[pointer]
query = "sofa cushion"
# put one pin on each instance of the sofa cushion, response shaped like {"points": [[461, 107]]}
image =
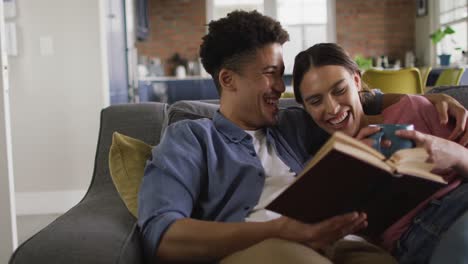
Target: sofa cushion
{"points": [[190, 110], [127, 160], [181, 110]]}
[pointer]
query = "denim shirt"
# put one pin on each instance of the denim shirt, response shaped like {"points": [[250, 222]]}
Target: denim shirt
{"points": [[208, 170]]}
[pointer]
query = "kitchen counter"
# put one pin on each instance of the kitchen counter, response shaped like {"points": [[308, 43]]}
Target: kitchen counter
{"points": [[169, 89], [172, 89]]}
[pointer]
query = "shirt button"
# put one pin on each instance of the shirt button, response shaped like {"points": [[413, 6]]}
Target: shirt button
{"points": [[253, 154], [260, 174], [246, 208]]}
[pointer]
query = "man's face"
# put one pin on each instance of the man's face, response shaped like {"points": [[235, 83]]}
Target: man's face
{"points": [[258, 87]]}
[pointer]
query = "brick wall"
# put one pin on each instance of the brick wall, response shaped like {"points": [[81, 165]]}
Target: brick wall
{"points": [[376, 27], [367, 27], [176, 26]]}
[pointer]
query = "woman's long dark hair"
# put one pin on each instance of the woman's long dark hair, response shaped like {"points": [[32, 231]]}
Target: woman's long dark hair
{"points": [[318, 55]]}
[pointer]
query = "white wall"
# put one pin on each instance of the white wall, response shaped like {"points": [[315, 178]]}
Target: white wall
{"points": [[56, 97], [8, 235]]}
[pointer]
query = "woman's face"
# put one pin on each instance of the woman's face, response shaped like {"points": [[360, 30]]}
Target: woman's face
{"points": [[331, 98]]}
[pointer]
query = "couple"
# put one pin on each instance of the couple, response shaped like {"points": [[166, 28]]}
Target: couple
{"points": [[202, 192]]}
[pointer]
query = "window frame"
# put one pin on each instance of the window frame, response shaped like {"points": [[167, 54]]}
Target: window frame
{"points": [[437, 23]]}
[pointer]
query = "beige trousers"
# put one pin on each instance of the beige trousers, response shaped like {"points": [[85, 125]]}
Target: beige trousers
{"points": [[275, 251]]}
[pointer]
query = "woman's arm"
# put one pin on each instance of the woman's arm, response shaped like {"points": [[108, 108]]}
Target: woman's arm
{"points": [[446, 106]]}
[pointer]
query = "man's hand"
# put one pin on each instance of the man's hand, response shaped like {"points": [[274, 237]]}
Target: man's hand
{"points": [[447, 106], [323, 234], [444, 154], [191, 240]]}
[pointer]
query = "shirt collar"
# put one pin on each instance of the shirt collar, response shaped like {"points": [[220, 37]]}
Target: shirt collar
{"points": [[230, 130]]}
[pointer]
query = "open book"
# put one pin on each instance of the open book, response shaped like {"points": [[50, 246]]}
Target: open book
{"points": [[347, 175]]}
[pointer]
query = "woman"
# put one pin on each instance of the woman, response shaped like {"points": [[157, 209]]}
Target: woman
{"points": [[328, 83]]}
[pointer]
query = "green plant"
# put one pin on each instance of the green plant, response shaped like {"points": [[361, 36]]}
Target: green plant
{"points": [[438, 35], [362, 62]]}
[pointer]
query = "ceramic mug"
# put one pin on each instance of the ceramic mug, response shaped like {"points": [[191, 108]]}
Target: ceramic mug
{"points": [[387, 132]]}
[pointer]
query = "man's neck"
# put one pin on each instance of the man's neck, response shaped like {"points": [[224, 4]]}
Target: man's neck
{"points": [[230, 114]]}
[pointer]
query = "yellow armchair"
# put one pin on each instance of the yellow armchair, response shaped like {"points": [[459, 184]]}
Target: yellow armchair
{"points": [[450, 77], [405, 81], [425, 74]]}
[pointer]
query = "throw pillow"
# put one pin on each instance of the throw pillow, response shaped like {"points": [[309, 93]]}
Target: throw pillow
{"points": [[127, 159]]}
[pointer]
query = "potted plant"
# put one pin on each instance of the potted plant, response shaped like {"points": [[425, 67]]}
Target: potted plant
{"points": [[363, 63], [438, 36]]}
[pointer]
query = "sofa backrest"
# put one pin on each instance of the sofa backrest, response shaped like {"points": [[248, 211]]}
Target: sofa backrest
{"points": [[199, 109], [204, 109], [143, 121], [458, 92]]}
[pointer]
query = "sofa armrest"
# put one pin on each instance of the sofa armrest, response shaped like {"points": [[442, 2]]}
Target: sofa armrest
{"points": [[97, 230]]}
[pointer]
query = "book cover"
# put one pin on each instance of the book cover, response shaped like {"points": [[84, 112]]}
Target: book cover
{"points": [[345, 176]]}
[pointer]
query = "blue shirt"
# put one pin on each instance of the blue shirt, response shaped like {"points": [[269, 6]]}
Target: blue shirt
{"points": [[208, 170]]}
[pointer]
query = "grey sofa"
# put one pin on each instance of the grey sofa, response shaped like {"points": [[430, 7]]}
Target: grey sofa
{"points": [[100, 229]]}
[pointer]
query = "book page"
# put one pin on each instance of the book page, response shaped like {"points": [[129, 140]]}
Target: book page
{"points": [[424, 172], [413, 162], [413, 154]]}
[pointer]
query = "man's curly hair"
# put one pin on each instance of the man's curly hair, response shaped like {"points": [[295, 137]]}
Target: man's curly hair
{"points": [[234, 38]]}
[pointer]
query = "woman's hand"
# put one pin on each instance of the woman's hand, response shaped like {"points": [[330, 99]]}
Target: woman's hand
{"points": [[364, 134], [447, 106], [445, 154]]}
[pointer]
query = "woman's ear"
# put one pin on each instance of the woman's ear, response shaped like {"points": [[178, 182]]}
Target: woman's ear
{"points": [[358, 81], [227, 80]]}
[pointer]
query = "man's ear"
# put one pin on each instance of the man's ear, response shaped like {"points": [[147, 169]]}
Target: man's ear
{"points": [[227, 80]]}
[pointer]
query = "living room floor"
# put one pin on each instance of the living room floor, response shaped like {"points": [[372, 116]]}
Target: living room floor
{"points": [[28, 225]]}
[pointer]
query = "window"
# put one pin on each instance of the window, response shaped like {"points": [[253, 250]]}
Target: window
{"points": [[222, 7], [307, 21], [453, 13]]}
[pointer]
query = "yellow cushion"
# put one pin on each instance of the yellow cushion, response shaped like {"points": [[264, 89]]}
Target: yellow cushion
{"points": [[127, 160]]}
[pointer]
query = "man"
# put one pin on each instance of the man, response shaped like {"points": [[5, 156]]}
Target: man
{"points": [[207, 177]]}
